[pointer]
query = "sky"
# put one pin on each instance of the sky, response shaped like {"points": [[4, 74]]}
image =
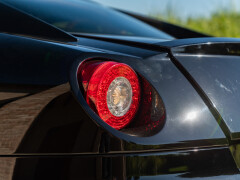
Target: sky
{"points": [[183, 8]]}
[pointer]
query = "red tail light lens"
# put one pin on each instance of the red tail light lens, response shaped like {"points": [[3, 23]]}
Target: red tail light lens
{"points": [[112, 90], [121, 98]]}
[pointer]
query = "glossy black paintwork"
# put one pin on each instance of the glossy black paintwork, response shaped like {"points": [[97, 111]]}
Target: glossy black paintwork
{"points": [[215, 163], [135, 39], [210, 48], [195, 41], [165, 78], [49, 134], [30, 61], [215, 67], [50, 63], [124, 48], [60, 128], [160, 72], [87, 17], [20, 25], [67, 140]]}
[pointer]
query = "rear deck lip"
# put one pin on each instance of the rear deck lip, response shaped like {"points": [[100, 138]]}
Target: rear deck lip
{"points": [[195, 41]]}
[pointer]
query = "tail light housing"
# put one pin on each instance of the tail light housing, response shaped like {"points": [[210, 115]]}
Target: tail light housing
{"points": [[121, 98]]}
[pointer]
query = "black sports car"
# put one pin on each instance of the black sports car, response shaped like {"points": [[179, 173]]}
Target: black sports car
{"points": [[89, 92]]}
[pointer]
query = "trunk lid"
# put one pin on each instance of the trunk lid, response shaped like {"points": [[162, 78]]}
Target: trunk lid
{"points": [[215, 67]]}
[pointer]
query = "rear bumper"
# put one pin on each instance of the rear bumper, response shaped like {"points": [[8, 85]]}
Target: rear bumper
{"points": [[214, 163]]}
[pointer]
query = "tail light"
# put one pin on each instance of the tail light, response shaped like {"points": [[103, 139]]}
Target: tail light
{"points": [[113, 91]]}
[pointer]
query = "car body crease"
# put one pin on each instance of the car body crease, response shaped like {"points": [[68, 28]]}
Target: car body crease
{"points": [[113, 153]]}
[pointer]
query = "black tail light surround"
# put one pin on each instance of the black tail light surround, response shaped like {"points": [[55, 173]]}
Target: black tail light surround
{"points": [[121, 97]]}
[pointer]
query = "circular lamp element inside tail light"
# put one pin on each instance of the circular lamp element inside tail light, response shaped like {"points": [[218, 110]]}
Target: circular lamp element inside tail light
{"points": [[114, 93], [119, 96]]}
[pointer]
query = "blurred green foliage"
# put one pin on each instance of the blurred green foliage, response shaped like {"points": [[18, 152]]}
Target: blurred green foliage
{"points": [[221, 23]]}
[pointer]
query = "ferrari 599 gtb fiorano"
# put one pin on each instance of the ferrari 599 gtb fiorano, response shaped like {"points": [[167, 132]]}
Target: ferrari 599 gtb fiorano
{"points": [[89, 92]]}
